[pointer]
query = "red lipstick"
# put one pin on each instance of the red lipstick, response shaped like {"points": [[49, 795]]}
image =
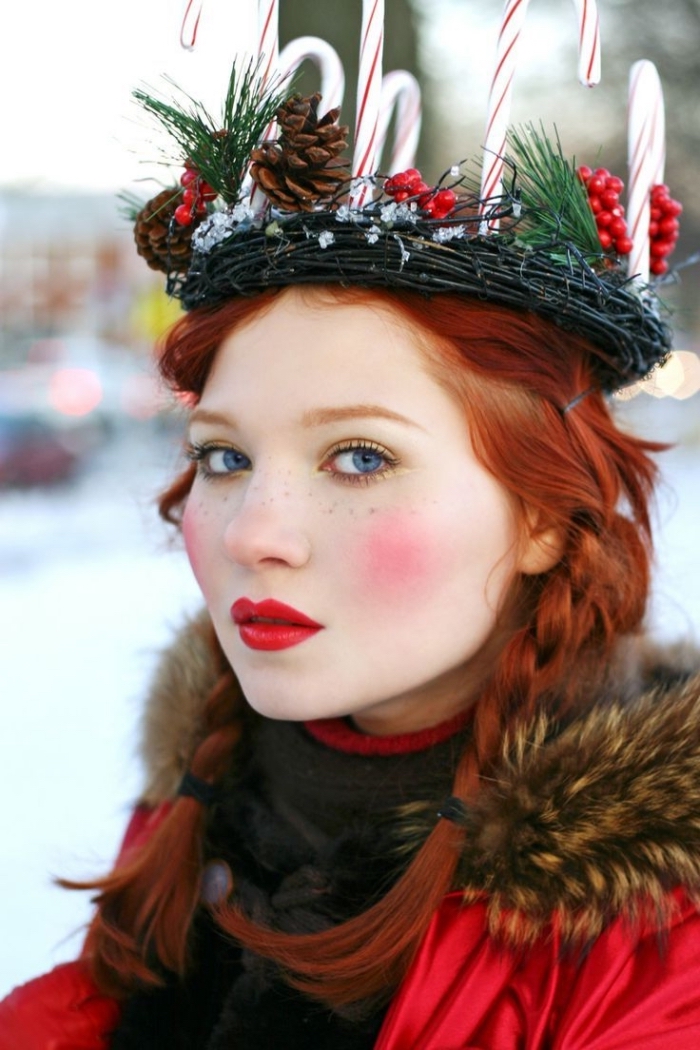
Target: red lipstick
{"points": [[271, 625]]}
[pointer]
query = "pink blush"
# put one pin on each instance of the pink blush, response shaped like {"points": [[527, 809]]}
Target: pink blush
{"points": [[398, 557]]}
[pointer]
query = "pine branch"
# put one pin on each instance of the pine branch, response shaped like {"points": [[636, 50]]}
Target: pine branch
{"points": [[554, 200], [219, 150]]}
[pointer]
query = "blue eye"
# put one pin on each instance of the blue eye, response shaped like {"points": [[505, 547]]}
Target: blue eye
{"points": [[218, 460], [360, 461]]}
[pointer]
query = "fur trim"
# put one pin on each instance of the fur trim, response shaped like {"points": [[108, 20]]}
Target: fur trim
{"points": [[170, 728], [595, 820], [598, 821]]}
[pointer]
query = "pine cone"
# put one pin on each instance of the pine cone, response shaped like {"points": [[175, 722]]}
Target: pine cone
{"points": [[164, 243], [301, 169]]}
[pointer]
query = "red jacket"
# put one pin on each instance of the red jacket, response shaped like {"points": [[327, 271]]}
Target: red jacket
{"points": [[462, 993]]}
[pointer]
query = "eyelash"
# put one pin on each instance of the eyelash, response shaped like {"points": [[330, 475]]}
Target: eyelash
{"points": [[198, 453]]}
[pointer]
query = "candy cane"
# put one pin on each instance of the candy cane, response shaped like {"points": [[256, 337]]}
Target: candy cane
{"points": [[327, 60], [369, 91], [190, 24], [268, 56], [500, 95], [268, 38], [646, 153], [400, 91]]}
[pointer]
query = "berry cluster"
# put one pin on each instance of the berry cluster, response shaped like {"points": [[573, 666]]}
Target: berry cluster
{"points": [[408, 185], [604, 192], [195, 195], [663, 228]]}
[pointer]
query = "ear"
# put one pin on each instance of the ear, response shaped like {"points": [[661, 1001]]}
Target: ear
{"points": [[542, 546]]}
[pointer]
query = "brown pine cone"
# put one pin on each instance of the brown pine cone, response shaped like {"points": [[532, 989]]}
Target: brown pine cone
{"points": [[302, 169], [163, 242]]}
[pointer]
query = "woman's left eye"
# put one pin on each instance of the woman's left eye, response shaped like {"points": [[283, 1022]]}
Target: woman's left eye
{"points": [[361, 461]]}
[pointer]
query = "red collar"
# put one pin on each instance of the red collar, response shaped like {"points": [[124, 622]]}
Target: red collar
{"points": [[341, 735]]}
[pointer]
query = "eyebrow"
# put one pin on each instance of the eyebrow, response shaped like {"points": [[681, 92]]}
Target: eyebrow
{"points": [[315, 417]]}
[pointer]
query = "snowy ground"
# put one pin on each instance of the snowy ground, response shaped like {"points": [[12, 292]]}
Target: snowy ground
{"points": [[91, 589]]}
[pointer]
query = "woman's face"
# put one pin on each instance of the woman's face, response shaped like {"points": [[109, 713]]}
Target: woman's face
{"points": [[336, 477]]}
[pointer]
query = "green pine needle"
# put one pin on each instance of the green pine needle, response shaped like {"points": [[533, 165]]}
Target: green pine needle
{"points": [[219, 150], [556, 210]]}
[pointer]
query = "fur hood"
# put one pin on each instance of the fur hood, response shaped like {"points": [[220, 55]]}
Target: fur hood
{"points": [[585, 823]]}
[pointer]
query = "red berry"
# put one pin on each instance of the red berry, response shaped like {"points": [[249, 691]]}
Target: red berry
{"points": [[401, 195], [602, 172], [189, 196], [595, 204], [603, 219], [609, 198], [605, 239], [653, 229], [623, 245], [207, 192], [183, 214], [655, 214], [614, 183], [660, 191], [618, 226], [658, 267], [672, 208], [595, 185], [188, 176], [201, 208], [668, 227], [446, 198], [659, 249], [584, 172]]}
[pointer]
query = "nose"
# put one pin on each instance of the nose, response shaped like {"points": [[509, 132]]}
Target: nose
{"points": [[267, 527]]}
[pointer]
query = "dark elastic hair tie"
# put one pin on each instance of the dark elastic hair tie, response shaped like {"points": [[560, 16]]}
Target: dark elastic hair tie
{"points": [[194, 787], [578, 399], [455, 810]]}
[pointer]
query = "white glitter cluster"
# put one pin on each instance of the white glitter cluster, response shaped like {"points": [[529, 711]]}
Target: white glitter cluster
{"points": [[449, 233], [325, 238], [217, 227]]}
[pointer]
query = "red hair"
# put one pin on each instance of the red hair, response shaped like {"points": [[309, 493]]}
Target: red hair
{"points": [[575, 470]]}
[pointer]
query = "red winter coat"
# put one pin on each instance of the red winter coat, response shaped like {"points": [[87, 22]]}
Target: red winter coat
{"points": [[569, 934], [462, 993]]}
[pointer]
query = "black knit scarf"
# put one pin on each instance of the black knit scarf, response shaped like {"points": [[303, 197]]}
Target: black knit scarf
{"points": [[310, 834]]}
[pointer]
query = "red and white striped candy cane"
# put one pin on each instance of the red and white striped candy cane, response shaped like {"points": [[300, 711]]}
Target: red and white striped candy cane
{"points": [[369, 93], [268, 57], [500, 94], [327, 60], [268, 38], [646, 152], [400, 90], [190, 24]]}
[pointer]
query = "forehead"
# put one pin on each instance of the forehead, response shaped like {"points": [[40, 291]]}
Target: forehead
{"points": [[306, 343]]}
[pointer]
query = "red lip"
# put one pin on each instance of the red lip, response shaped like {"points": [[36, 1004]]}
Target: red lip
{"points": [[271, 625]]}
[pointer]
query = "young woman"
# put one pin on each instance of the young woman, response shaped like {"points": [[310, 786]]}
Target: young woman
{"points": [[414, 780]]}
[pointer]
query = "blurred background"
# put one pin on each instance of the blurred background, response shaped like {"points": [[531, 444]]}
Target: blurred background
{"points": [[91, 584]]}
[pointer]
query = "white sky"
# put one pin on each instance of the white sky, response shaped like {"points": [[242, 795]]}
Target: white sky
{"points": [[67, 70]]}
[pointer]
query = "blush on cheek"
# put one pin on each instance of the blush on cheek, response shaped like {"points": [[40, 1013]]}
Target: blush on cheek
{"points": [[398, 557]]}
